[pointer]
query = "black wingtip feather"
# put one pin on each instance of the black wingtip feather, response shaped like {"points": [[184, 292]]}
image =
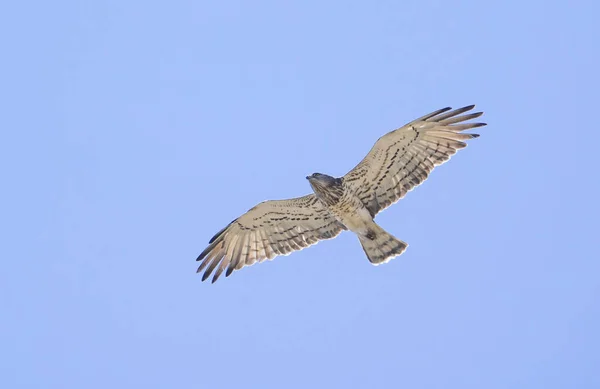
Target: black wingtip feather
{"points": [[438, 112], [205, 252], [220, 232], [470, 116]]}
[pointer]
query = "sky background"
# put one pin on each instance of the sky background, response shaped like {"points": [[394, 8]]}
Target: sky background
{"points": [[132, 131]]}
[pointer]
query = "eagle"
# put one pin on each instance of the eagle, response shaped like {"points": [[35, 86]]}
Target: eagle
{"points": [[398, 162]]}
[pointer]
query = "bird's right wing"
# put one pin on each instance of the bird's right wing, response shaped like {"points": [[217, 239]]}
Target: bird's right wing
{"points": [[272, 228], [402, 159]]}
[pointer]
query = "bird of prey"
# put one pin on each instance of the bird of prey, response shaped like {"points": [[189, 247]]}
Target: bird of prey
{"points": [[398, 162]]}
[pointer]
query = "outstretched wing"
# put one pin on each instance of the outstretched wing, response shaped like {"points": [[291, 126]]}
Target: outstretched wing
{"points": [[269, 229], [403, 158]]}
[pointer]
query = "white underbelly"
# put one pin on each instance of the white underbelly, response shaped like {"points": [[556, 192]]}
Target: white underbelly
{"points": [[355, 218]]}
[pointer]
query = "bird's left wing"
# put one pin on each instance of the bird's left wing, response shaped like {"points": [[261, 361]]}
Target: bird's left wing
{"points": [[403, 158], [272, 228]]}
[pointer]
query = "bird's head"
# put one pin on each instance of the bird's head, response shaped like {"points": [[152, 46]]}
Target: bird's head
{"points": [[321, 180], [325, 186]]}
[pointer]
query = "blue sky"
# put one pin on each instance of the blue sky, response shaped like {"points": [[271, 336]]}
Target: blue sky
{"points": [[133, 131]]}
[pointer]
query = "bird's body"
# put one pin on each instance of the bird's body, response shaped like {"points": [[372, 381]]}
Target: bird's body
{"points": [[352, 213], [341, 201], [349, 210], [398, 162]]}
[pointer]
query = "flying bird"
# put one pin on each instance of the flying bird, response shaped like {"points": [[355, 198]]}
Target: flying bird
{"points": [[398, 162]]}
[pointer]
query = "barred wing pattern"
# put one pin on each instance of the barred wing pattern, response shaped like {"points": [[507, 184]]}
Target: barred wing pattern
{"points": [[402, 159], [271, 228]]}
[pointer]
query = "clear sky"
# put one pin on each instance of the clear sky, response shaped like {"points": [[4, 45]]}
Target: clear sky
{"points": [[134, 130]]}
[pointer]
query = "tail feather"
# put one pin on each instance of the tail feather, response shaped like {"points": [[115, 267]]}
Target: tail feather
{"points": [[380, 246]]}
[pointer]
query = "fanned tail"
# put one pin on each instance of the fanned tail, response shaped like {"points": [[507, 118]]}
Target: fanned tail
{"points": [[380, 246]]}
